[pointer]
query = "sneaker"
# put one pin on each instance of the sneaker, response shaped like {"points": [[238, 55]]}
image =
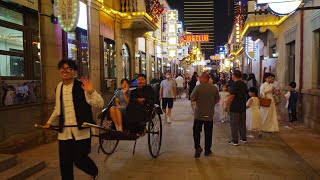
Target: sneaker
{"points": [[222, 121], [168, 120], [208, 153], [198, 153], [250, 136], [243, 141], [232, 143]]}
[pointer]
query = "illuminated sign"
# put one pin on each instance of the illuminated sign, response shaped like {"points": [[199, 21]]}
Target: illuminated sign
{"points": [[216, 57], [281, 7], [68, 14], [172, 39], [195, 38], [250, 48]]}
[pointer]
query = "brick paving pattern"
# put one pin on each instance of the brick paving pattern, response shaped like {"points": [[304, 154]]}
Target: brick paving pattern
{"points": [[291, 154]]}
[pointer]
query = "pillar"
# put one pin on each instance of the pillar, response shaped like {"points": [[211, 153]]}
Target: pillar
{"points": [[119, 42], [148, 60], [94, 45]]}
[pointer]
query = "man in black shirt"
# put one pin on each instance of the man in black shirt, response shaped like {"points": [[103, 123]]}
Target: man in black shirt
{"points": [[140, 103], [237, 107]]}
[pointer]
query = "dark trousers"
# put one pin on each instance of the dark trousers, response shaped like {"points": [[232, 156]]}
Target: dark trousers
{"points": [[197, 128], [238, 126], [75, 152], [292, 115]]}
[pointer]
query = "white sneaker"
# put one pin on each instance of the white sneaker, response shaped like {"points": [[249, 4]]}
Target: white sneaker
{"points": [[168, 120]]}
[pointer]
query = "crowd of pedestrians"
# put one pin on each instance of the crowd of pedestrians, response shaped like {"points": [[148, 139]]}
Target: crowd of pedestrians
{"points": [[239, 100]]}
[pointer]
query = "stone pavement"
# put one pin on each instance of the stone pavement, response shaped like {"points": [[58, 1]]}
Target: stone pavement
{"points": [[268, 157]]}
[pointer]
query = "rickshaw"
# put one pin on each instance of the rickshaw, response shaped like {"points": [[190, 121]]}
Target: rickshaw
{"points": [[109, 138]]}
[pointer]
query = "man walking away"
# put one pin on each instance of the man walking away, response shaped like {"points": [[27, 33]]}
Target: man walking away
{"points": [[192, 83], [179, 81], [206, 96], [155, 83], [237, 105], [168, 94], [74, 102]]}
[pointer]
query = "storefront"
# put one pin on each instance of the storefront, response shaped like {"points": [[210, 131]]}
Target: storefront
{"points": [[141, 59]]}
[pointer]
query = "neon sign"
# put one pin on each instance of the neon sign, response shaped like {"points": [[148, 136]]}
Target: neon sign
{"points": [[250, 48], [196, 38], [281, 7]]}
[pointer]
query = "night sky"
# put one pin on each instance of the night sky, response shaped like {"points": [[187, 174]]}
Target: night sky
{"points": [[224, 16]]}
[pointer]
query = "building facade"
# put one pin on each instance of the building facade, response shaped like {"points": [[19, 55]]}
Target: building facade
{"points": [[287, 46], [199, 19], [112, 40]]}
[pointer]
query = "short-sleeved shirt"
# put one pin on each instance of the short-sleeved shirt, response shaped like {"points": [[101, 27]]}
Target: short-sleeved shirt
{"points": [[206, 96], [239, 90], [167, 88], [122, 101]]}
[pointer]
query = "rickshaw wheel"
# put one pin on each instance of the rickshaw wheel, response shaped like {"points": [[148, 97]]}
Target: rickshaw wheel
{"points": [[155, 135], [107, 146]]}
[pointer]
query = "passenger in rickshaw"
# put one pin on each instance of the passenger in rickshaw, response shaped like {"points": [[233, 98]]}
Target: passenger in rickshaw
{"points": [[121, 102], [140, 106]]}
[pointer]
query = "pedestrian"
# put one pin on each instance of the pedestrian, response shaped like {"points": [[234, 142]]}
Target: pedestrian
{"points": [[253, 113], [292, 97], [192, 83], [269, 119], [206, 96], [168, 94], [277, 89], [224, 95], [74, 102], [10, 95], [155, 83], [236, 104], [180, 82]]}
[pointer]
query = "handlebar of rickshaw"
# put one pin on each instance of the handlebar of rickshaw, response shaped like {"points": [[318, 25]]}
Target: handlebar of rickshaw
{"points": [[85, 125]]}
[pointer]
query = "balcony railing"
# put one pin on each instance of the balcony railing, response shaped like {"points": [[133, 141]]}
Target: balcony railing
{"points": [[131, 6]]}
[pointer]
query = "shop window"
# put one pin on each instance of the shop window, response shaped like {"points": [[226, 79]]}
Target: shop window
{"points": [[11, 16], [110, 70], [143, 64], [153, 66], [20, 64], [126, 61], [159, 66], [291, 62]]}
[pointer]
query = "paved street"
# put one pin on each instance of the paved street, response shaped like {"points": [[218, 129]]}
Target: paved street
{"points": [[266, 158]]}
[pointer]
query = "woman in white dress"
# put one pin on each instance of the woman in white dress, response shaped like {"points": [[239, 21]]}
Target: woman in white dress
{"points": [[224, 95], [253, 114], [269, 120]]}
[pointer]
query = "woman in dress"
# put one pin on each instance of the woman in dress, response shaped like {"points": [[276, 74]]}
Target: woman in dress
{"points": [[224, 95], [253, 113], [269, 120], [121, 102]]}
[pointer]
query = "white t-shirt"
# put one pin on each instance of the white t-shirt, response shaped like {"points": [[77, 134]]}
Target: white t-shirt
{"points": [[179, 81]]}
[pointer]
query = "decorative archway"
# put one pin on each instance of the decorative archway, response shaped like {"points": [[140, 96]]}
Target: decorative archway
{"points": [[125, 61]]}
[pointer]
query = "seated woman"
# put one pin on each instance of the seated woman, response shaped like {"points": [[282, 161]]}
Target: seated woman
{"points": [[121, 102]]}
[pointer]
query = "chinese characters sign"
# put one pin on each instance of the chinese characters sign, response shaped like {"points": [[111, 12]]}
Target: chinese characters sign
{"points": [[172, 30], [68, 14], [196, 38], [250, 48]]}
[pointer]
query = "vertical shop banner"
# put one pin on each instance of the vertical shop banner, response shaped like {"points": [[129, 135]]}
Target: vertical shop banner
{"points": [[32, 4], [106, 26]]}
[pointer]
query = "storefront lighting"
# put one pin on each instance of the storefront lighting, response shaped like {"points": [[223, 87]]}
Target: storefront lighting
{"points": [[254, 24]]}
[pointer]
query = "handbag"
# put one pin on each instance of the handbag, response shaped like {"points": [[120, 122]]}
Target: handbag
{"points": [[265, 102]]}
